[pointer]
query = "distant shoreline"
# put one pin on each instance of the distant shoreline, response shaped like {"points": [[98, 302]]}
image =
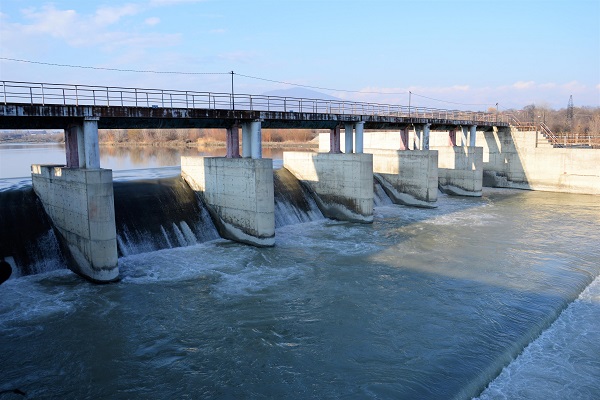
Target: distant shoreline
{"points": [[172, 144]]}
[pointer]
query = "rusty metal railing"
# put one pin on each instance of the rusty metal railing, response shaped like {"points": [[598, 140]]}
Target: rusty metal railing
{"points": [[68, 94]]}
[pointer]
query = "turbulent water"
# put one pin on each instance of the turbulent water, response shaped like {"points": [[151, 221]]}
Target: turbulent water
{"points": [[422, 304]]}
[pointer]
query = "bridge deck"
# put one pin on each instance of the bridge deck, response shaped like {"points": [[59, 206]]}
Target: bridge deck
{"points": [[52, 116]]}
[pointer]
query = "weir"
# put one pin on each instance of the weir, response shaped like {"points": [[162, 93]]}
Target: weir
{"points": [[238, 189]]}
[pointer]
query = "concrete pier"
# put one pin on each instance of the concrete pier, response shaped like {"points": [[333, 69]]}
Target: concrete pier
{"points": [[342, 183], [239, 195], [460, 170], [80, 204], [408, 177]]}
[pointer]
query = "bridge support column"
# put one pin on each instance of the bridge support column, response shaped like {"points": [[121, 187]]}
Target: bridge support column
{"points": [[359, 136], [252, 139], [334, 140], [472, 135], [464, 138], [342, 183], [452, 138], [349, 138], [426, 133], [422, 132], [233, 142], [404, 139], [81, 144]]}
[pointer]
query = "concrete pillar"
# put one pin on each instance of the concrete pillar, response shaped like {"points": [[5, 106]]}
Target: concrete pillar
{"points": [[358, 136], [233, 142], [452, 138], [473, 135], [81, 144], [463, 138], [246, 140], [334, 140], [91, 145], [256, 138], [239, 193], [73, 136], [251, 139], [404, 139], [408, 177], [349, 138], [426, 131], [418, 140], [80, 204], [342, 183]]}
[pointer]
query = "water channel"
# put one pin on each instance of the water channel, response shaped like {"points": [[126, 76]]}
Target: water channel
{"points": [[498, 294]]}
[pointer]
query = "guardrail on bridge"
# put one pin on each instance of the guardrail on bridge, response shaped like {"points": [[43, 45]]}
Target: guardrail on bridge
{"points": [[68, 94]]}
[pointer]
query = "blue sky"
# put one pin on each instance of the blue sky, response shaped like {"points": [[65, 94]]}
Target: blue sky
{"points": [[470, 54]]}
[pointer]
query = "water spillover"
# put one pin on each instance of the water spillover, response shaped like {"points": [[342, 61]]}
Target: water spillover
{"points": [[496, 297]]}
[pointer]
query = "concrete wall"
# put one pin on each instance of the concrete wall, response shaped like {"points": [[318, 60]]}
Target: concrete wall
{"points": [[460, 170], [80, 204], [523, 160], [343, 183], [239, 194], [408, 177]]}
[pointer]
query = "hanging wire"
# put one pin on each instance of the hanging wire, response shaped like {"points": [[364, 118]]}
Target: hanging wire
{"points": [[241, 75], [319, 87], [114, 69]]}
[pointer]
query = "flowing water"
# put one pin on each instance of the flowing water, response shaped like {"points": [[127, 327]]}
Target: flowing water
{"points": [[421, 304]]}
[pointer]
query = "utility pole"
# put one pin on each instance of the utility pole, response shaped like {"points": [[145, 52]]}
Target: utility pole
{"points": [[232, 93]]}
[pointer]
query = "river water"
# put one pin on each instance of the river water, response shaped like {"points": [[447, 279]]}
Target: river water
{"points": [[421, 304]]}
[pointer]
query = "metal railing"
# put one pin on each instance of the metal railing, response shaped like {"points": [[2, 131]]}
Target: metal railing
{"points": [[80, 95]]}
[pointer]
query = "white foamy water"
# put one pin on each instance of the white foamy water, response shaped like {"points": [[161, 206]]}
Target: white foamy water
{"points": [[563, 362]]}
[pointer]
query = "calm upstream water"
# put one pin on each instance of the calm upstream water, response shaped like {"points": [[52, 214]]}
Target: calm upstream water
{"points": [[422, 304]]}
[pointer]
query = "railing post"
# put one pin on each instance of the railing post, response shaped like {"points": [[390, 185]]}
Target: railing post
{"points": [[186, 100], [76, 96], [147, 100], [171, 97], [121, 92], [31, 95], [135, 92], [64, 97], [94, 96], [285, 104], [4, 90], [43, 99], [107, 98], [162, 98]]}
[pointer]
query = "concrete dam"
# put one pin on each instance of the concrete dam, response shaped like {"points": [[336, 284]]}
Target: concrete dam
{"points": [[410, 152]]}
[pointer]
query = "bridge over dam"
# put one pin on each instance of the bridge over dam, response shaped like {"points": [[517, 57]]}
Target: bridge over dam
{"points": [[410, 151]]}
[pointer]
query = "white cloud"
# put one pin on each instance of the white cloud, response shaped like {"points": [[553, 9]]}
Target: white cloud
{"points": [[82, 30], [524, 85], [161, 3], [152, 21], [110, 15], [217, 31]]}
